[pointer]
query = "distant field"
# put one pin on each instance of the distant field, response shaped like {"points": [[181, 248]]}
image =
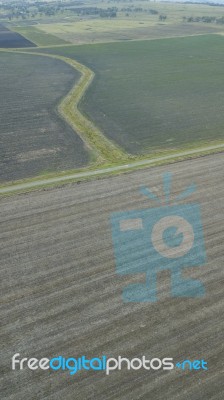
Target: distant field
{"points": [[155, 95], [34, 139], [39, 37], [70, 27], [101, 31], [9, 39], [134, 21]]}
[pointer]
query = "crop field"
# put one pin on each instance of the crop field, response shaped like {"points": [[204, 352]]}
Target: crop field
{"points": [[61, 296], [39, 37], [157, 95], [9, 39], [34, 139], [134, 21], [97, 31]]}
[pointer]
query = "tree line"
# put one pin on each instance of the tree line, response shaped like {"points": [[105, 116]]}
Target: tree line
{"points": [[206, 19]]}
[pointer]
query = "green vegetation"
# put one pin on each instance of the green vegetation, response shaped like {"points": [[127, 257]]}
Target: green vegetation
{"points": [[150, 96], [90, 173], [39, 37], [100, 146], [90, 31], [99, 21], [101, 149], [206, 19]]}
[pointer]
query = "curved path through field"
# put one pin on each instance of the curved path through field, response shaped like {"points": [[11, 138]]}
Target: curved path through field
{"points": [[102, 148]]}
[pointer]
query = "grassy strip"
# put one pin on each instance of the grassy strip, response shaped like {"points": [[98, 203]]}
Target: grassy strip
{"points": [[90, 134], [101, 148], [101, 172], [198, 149]]}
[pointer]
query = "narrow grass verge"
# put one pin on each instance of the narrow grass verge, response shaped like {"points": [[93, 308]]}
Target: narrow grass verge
{"points": [[102, 149], [104, 171]]}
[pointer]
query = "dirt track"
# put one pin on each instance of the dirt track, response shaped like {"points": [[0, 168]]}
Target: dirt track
{"points": [[61, 296], [86, 174]]}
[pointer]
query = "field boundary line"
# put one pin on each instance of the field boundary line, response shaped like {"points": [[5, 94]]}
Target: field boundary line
{"points": [[110, 170], [116, 41], [100, 147]]}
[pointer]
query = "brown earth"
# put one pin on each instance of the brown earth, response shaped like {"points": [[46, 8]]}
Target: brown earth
{"points": [[61, 296]]}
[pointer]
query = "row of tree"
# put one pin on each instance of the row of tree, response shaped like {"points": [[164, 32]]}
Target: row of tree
{"points": [[38, 8], [133, 9], [110, 12], [16, 10], [205, 19]]}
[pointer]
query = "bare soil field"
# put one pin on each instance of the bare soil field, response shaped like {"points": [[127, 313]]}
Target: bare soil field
{"points": [[34, 139], [61, 296], [9, 39]]}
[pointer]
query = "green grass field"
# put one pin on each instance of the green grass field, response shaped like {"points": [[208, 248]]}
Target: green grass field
{"points": [[39, 37], [150, 96]]}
